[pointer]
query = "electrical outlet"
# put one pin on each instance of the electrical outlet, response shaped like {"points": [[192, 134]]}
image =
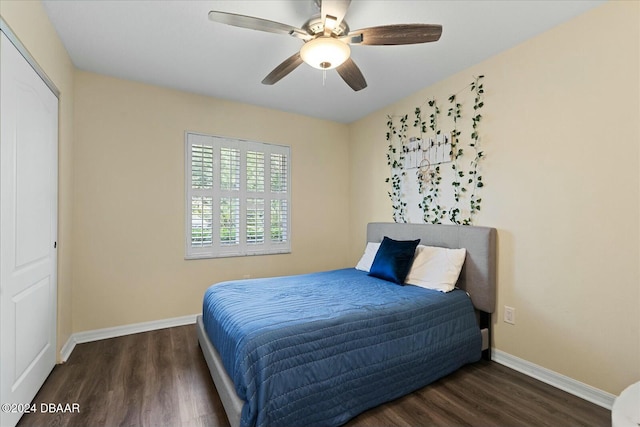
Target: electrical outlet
{"points": [[509, 315]]}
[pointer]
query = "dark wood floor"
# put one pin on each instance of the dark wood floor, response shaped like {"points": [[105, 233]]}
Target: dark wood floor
{"points": [[160, 378]]}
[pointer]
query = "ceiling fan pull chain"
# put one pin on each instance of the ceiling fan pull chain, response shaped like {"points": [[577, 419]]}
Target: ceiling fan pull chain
{"points": [[324, 77]]}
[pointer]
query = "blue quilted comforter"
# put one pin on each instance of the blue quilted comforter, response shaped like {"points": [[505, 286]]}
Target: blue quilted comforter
{"points": [[318, 349]]}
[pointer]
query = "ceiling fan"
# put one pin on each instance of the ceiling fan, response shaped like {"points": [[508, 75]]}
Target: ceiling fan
{"points": [[327, 38]]}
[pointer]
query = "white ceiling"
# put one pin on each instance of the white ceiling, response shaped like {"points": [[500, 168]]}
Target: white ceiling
{"points": [[173, 44]]}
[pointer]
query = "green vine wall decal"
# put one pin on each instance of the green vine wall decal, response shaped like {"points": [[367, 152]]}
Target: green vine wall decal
{"points": [[475, 179], [395, 160], [460, 132], [429, 185], [455, 113]]}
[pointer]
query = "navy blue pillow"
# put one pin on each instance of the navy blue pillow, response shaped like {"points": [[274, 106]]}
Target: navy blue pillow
{"points": [[393, 260]]}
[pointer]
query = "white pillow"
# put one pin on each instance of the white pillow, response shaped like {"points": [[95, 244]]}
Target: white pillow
{"points": [[367, 258], [436, 268]]}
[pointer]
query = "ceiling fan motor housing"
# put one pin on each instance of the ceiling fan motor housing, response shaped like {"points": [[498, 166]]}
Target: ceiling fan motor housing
{"points": [[315, 25]]}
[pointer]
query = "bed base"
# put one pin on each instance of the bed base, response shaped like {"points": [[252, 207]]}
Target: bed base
{"points": [[230, 401], [485, 330]]}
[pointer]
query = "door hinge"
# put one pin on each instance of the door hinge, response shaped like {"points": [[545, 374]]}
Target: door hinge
{"points": [[55, 245]]}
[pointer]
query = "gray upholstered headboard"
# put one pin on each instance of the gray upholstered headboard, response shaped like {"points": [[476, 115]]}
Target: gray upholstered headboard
{"points": [[478, 276]]}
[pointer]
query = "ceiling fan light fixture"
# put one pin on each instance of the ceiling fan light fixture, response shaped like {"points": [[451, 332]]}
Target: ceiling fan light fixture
{"points": [[325, 53]]}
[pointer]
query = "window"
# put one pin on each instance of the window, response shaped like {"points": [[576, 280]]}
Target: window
{"points": [[238, 197]]}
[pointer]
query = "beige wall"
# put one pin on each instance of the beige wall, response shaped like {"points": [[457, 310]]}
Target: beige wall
{"points": [[561, 133], [31, 25], [129, 189]]}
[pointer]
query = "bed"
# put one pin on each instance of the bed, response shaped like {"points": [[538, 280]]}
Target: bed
{"points": [[320, 348]]}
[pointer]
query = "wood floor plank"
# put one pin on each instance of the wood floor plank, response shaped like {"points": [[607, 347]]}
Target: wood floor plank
{"points": [[160, 378]]}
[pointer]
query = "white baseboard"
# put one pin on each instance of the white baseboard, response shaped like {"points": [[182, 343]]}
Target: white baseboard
{"points": [[577, 388], [67, 349], [118, 331]]}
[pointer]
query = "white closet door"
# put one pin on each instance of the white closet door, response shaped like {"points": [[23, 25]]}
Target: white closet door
{"points": [[28, 217]]}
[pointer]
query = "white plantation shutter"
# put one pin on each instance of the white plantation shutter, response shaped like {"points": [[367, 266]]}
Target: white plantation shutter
{"points": [[238, 197], [279, 220], [279, 173]]}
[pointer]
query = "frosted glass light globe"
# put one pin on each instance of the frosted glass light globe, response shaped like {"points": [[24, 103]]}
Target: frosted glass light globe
{"points": [[325, 53]]}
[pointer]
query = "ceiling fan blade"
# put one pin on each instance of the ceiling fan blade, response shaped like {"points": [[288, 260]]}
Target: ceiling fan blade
{"points": [[283, 69], [332, 13], [352, 75], [259, 24], [396, 34]]}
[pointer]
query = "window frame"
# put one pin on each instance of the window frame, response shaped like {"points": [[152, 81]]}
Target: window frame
{"points": [[216, 193]]}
